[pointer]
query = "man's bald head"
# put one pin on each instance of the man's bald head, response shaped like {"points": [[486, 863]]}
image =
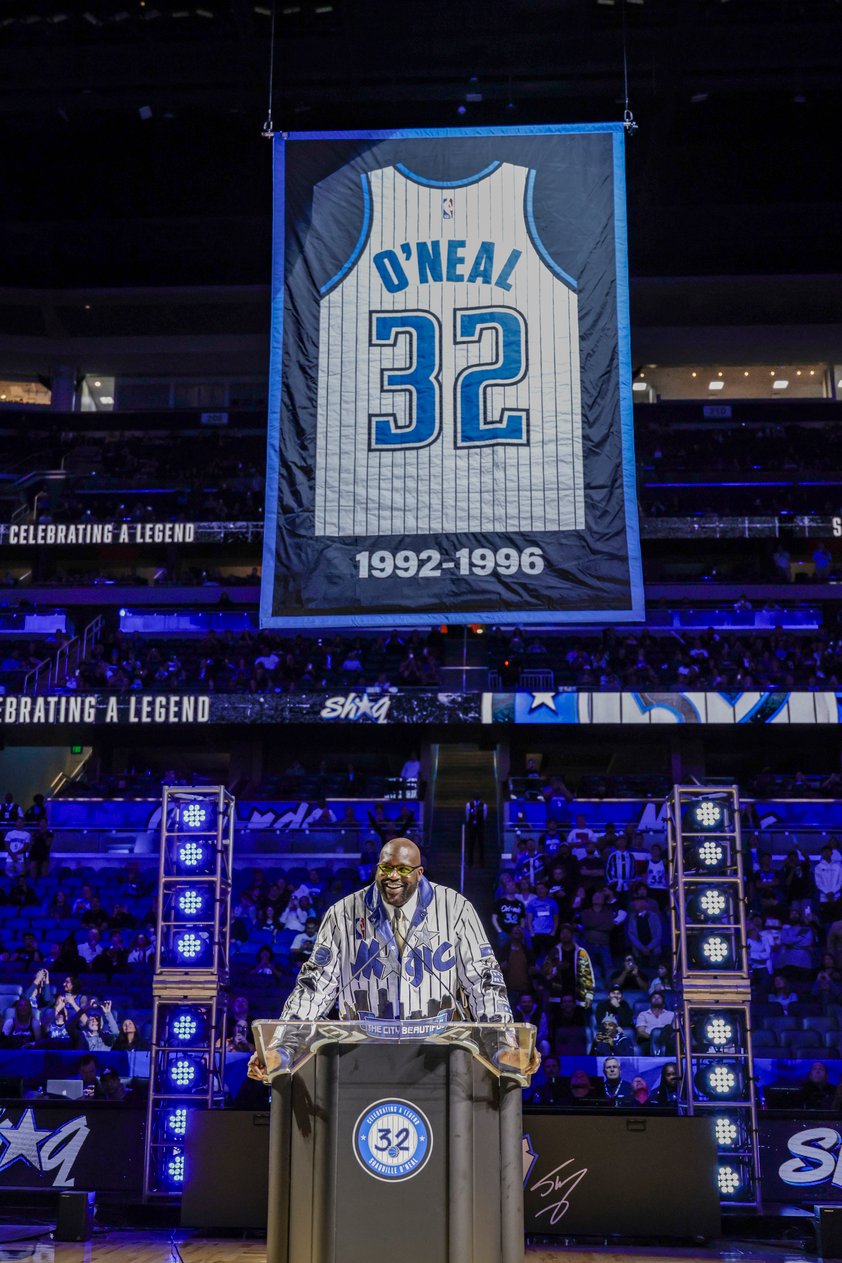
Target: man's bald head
{"points": [[397, 887]]}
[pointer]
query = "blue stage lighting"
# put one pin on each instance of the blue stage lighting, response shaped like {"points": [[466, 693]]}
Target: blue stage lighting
{"points": [[728, 1180], [189, 946], [708, 814], [176, 1121], [711, 904], [174, 1166], [183, 1073], [718, 1081], [194, 815], [727, 1131], [190, 902], [192, 855], [184, 1027]]}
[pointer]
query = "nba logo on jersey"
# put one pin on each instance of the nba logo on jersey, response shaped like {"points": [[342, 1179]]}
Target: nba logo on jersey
{"points": [[449, 393]]}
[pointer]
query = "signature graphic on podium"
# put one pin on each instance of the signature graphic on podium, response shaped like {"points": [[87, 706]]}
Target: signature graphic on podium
{"points": [[392, 1140], [562, 1181]]}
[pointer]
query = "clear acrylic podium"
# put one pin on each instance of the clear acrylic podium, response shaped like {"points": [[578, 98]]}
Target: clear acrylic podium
{"points": [[395, 1137]]}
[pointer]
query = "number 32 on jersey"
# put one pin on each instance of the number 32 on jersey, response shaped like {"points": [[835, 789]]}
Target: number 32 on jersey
{"points": [[420, 380]]}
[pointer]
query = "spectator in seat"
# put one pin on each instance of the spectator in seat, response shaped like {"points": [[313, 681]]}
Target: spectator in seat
{"points": [[666, 1093], [39, 852], [115, 956], [795, 954], [609, 1038], [21, 894], [303, 943], [574, 965], [620, 869], [37, 812], [591, 866], [657, 878], [614, 1086], [10, 811], [597, 923], [41, 993], [795, 879], [828, 878], [531, 866], [60, 908], [83, 902], [22, 1029], [608, 841], [240, 1039], [639, 1094], [616, 1007], [643, 930], [551, 1089], [580, 834], [121, 918], [112, 1085], [516, 962], [526, 1010], [817, 1090], [759, 950], [98, 1033], [28, 953], [580, 1089], [91, 948], [91, 1088], [141, 951], [129, 1038], [95, 914], [654, 1027], [508, 913], [542, 920], [630, 976], [296, 915], [827, 987], [55, 1027], [782, 994], [16, 843], [265, 965]]}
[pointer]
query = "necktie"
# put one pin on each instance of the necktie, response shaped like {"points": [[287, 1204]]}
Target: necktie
{"points": [[397, 926]]}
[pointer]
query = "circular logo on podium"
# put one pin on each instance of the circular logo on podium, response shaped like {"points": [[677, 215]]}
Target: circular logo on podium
{"points": [[392, 1140]]}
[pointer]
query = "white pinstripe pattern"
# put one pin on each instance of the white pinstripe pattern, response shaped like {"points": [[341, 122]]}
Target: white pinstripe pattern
{"points": [[472, 986], [442, 488]]}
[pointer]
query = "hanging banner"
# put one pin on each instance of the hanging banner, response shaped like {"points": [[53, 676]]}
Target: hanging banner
{"points": [[450, 419]]}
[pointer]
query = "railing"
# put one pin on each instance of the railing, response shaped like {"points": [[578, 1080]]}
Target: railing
{"points": [[716, 526], [32, 680], [67, 659]]}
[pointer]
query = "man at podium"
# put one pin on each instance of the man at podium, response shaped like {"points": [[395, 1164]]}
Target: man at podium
{"points": [[402, 948]]}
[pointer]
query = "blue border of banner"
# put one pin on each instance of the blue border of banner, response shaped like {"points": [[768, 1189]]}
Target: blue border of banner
{"points": [[635, 611]]}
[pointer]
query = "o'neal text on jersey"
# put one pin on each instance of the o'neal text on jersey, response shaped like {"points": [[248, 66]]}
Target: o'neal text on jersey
{"points": [[445, 261]]}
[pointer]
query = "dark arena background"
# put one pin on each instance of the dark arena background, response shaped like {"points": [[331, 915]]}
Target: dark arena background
{"points": [[645, 814]]}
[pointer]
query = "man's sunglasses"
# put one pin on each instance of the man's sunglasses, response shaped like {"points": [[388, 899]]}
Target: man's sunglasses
{"points": [[403, 870]]}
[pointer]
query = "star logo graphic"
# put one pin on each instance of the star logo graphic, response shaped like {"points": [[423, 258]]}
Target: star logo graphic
{"points": [[423, 937], [390, 965], [543, 699], [21, 1142]]}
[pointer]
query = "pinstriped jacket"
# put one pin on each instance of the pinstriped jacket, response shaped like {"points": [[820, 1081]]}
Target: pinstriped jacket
{"points": [[447, 963]]}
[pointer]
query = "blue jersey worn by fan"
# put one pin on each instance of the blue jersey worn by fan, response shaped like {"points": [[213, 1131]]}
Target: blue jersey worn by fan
{"points": [[401, 948]]}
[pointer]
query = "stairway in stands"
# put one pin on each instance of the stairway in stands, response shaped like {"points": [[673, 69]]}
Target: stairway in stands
{"points": [[463, 772]]}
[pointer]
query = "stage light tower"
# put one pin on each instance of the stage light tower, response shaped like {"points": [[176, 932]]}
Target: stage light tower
{"points": [[709, 941], [191, 969]]}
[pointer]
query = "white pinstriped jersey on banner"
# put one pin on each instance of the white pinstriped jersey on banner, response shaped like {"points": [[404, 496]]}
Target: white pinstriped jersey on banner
{"points": [[447, 963], [449, 392]]}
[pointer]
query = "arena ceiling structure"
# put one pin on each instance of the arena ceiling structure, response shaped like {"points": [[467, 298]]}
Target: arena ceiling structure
{"points": [[131, 129]]}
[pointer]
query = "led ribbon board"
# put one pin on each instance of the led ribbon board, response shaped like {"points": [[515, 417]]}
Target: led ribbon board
{"points": [[450, 421]]}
